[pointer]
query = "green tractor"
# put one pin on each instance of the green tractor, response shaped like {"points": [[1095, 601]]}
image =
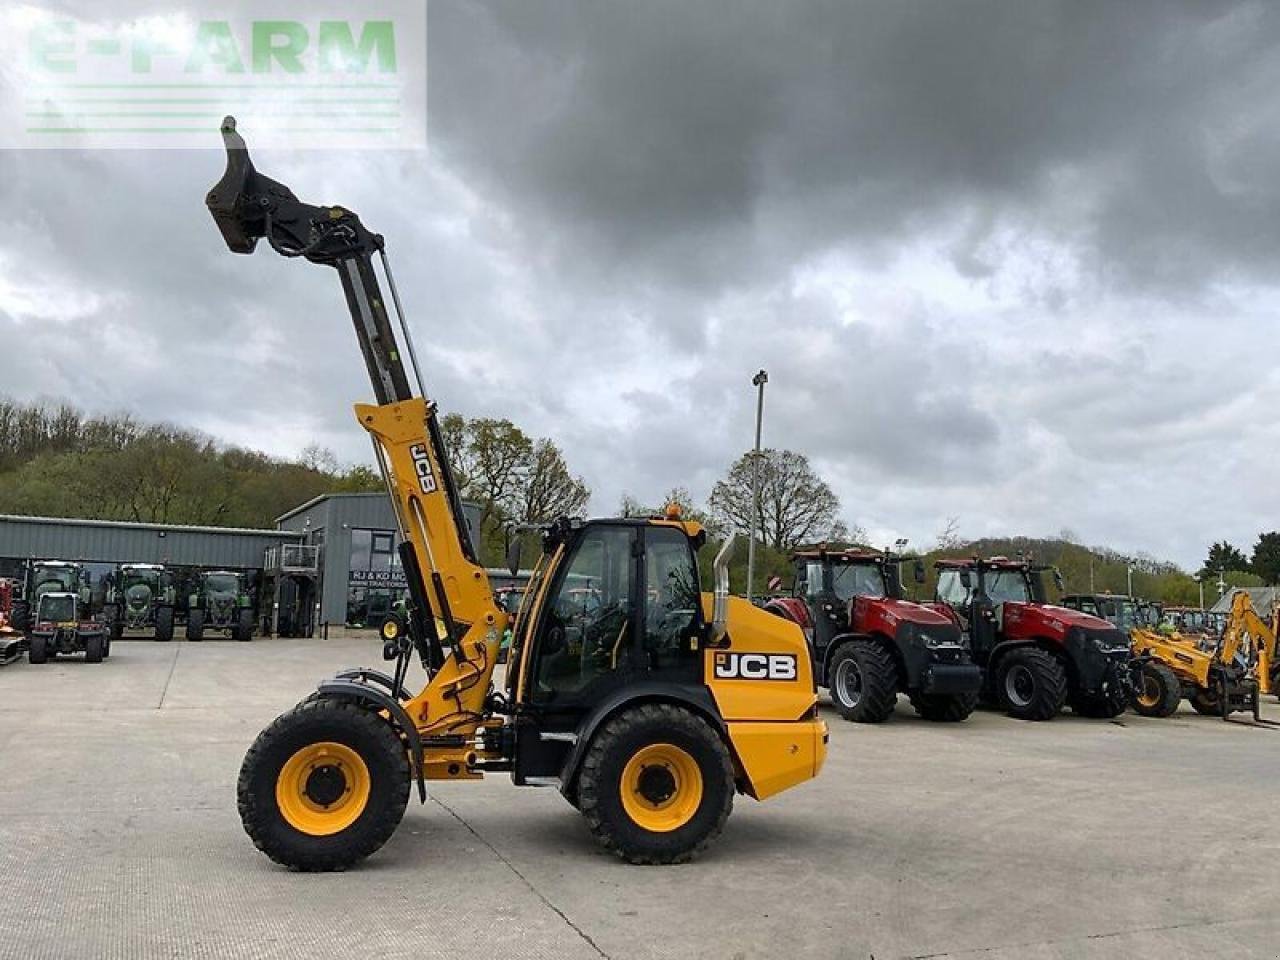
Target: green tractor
{"points": [[140, 597], [47, 576], [221, 602]]}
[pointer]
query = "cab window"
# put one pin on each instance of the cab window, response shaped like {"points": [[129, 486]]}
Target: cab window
{"points": [[814, 587], [672, 596], [586, 635], [951, 590]]}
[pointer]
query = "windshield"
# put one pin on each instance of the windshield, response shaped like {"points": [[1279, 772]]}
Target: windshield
{"points": [[857, 580], [1121, 612], [1006, 585], [147, 577], [54, 578], [222, 583], [56, 609]]}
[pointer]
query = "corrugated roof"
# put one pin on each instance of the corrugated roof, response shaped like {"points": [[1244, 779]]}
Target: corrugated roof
{"points": [[323, 497], [132, 525], [1262, 598]]}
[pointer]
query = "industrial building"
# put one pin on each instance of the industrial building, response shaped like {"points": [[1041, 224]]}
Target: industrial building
{"points": [[331, 560]]}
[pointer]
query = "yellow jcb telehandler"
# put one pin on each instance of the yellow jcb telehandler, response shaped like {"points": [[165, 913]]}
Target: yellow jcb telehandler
{"points": [[1229, 676], [646, 702]]}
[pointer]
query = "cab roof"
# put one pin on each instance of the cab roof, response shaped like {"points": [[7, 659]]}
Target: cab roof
{"points": [[844, 556]]}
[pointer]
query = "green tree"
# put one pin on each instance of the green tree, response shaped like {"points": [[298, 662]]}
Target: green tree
{"points": [[1266, 557], [796, 505], [1223, 556]]}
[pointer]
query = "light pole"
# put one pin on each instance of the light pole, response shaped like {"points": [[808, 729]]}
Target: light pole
{"points": [[758, 381], [1200, 583], [1129, 570]]}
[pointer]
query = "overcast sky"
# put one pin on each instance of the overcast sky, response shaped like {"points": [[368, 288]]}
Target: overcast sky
{"points": [[1011, 262]]}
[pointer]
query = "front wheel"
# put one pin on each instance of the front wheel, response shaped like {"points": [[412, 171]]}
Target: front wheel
{"points": [[324, 786], [38, 650], [944, 708], [93, 648], [1158, 691], [863, 682], [1031, 684], [656, 785], [164, 624], [244, 626], [195, 624]]}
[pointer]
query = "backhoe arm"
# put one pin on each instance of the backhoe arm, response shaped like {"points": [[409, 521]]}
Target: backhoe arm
{"points": [[446, 583]]}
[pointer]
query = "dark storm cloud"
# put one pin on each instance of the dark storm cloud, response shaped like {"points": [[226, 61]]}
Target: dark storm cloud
{"points": [[703, 142]]}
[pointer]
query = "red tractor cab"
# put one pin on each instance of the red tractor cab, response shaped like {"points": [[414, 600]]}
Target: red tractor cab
{"points": [[869, 643], [63, 626], [1036, 656]]}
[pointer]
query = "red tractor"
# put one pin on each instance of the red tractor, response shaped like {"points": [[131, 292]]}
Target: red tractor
{"points": [[1036, 657], [12, 642], [869, 643]]}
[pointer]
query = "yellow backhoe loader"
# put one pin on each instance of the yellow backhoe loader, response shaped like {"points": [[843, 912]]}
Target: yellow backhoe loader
{"points": [[1228, 676], [645, 701]]}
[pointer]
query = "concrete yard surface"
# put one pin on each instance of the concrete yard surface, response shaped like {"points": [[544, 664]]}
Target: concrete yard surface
{"points": [[992, 839]]}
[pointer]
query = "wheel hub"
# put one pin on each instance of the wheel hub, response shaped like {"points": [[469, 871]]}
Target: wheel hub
{"points": [[656, 784], [325, 784], [1020, 685]]}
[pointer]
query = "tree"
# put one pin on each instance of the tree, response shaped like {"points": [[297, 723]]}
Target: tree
{"points": [[949, 536], [1223, 556], [1266, 557], [547, 489], [796, 505]]}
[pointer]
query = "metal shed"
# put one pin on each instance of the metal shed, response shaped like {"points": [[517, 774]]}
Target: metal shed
{"points": [[113, 541]]}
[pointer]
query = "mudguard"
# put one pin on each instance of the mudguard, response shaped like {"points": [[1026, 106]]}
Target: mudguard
{"points": [[692, 695], [352, 689]]}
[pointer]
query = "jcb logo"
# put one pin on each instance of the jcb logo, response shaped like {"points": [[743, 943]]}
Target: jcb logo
{"points": [[422, 467], [755, 666]]}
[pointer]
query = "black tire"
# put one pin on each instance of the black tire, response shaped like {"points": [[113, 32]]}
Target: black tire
{"points": [[599, 784], [943, 708], [1160, 691], [1206, 702], [116, 629], [38, 650], [93, 648], [243, 630], [20, 616], [863, 681], [195, 625], [1031, 684], [314, 721], [164, 624], [1105, 706], [106, 645]]}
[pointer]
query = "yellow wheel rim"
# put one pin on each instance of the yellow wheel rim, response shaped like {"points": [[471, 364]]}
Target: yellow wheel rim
{"points": [[1150, 695], [661, 788], [323, 788]]}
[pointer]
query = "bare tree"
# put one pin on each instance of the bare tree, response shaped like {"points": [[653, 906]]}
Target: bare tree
{"points": [[949, 536], [547, 489], [796, 505]]}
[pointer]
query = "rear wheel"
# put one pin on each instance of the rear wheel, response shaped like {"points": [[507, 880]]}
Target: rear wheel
{"points": [[164, 624], [944, 708], [863, 682], [38, 651], [1159, 691], [195, 624], [93, 648], [656, 785], [1031, 684], [324, 786], [20, 619], [1207, 702]]}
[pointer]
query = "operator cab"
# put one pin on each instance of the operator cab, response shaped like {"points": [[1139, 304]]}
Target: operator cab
{"points": [[830, 580], [977, 591], [611, 603]]}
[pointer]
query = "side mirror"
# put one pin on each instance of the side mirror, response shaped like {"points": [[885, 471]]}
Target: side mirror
{"points": [[1058, 581], [513, 552], [720, 601], [917, 571], [966, 581]]}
